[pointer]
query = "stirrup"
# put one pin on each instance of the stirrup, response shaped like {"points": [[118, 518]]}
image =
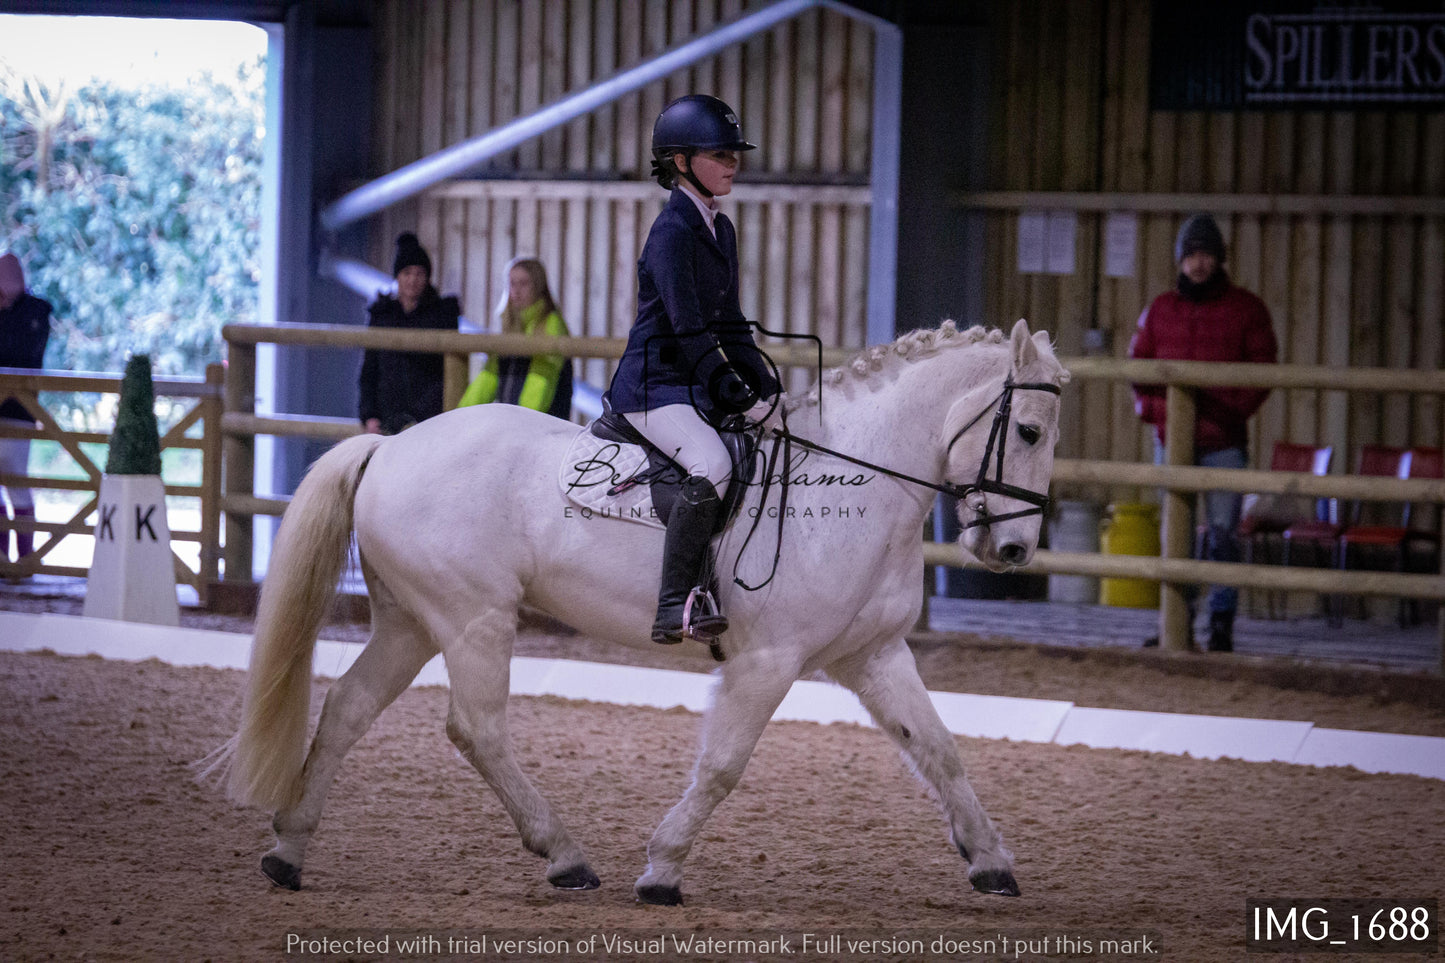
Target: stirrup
{"points": [[709, 623]]}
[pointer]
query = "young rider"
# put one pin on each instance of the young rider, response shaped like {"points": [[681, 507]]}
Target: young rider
{"points": [[691, 359]]}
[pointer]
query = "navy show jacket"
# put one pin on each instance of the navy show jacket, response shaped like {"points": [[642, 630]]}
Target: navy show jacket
{"points": [[687, 308]]}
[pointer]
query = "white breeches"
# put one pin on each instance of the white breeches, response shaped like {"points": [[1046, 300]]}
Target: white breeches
{"points": [[15, 460], [679, 431]]}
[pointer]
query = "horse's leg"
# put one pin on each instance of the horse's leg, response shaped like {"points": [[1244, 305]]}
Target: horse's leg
{"points": [[886, 682], [752, 686], [396, 652], [479, 668]]}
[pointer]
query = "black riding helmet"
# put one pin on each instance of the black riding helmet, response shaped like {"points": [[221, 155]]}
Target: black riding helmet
{"points": [[690, 124]]}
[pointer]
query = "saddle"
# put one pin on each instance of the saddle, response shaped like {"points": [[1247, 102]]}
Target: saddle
{"points": [[665, 477]]}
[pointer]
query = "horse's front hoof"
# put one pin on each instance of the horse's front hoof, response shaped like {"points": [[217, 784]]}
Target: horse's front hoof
{"points": [[657, 895], [578, 877], [281, 873], [995, 882]]}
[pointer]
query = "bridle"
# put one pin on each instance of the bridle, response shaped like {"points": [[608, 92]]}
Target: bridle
{"points": [[994, 450]]}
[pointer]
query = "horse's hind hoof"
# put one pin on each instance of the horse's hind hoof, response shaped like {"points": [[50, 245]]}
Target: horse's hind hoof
{"points": [[578, 877], [658, 895], [281, 873], [995, 882]]}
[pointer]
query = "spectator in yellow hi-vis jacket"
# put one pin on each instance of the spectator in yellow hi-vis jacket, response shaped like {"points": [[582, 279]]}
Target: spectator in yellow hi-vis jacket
{"points": [[542, 382]]}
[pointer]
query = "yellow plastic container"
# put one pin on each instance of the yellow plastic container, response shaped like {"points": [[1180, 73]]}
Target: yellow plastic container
{"points": [[1132, 529]]}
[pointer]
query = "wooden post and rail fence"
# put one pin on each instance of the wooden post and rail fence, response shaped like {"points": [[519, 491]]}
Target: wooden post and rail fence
{"points": [[229, 434], [205, 414]]}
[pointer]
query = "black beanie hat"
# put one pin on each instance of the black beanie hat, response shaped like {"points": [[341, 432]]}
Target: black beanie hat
{"points": [[1199, 233], [409, 252]]}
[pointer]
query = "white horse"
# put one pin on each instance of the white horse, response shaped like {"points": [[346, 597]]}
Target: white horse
{"points": [[460, 520]]}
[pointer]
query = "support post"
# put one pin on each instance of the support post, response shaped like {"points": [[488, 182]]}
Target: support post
{"points": [[884, 163], [454, 379], [239, 454], [1175, 632], [211, 461]]}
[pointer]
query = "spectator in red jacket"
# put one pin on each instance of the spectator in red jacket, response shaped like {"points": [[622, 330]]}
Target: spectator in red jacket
{"points": [[1208, 318]]}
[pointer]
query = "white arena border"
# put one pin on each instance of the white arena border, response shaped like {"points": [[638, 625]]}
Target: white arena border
{"points": [[986, 717]]}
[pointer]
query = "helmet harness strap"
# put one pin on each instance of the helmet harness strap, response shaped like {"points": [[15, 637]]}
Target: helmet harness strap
{"points": [[690, 176]]}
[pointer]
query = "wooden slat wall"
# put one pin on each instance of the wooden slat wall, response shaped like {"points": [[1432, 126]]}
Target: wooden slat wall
{"points": [[451, 70], [1343, 289]]}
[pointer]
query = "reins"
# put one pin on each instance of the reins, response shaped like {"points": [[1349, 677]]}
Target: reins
{"points": [[994, 450]]}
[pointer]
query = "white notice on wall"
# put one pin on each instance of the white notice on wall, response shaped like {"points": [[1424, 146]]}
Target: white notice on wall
{"points": [[1033, 229], [1121, 239], [1060, 256]]}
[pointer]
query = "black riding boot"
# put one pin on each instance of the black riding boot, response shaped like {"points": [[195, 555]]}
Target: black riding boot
{"points": [[684, 550], [1221, 631]]}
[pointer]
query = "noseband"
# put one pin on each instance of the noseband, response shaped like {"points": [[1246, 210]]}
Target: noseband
{"points": [[998, 435], [994, 451]]}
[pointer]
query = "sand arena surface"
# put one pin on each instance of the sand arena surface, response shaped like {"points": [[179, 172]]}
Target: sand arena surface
{"points": [[112, 852]]}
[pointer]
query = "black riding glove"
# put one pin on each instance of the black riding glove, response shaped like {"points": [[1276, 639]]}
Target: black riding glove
{"points": [[732, 394]]}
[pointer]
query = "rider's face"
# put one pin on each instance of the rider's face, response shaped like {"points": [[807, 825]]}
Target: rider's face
{"points": [[714, 169]]}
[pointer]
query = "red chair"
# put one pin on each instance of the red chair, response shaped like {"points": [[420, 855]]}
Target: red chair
{"points": [[1323, 535], [1397, 540], [1271, 515]]}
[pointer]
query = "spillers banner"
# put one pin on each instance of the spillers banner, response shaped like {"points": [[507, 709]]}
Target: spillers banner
{"points": [[1276, 54]]}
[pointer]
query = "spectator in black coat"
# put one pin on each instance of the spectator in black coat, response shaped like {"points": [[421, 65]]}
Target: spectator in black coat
{"points": [[24, 331], [400, 388]]}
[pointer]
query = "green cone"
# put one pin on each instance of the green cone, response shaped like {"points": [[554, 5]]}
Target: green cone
{"points": [[135, 444]]}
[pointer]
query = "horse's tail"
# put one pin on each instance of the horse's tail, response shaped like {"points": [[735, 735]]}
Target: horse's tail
{"points": [[261, 764]]}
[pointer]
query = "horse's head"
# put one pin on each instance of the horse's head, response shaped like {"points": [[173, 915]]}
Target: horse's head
{"points": [[1008, 461]]}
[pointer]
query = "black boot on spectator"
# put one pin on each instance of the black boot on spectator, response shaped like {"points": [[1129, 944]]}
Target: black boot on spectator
{"points": [[1221, 631], [1153, 641]]}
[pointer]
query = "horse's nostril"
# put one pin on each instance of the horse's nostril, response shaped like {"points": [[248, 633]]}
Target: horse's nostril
{"points": [[1013, 553]]}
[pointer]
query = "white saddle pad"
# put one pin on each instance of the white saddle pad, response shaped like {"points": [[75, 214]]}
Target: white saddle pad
{"points": [[591, 468]]}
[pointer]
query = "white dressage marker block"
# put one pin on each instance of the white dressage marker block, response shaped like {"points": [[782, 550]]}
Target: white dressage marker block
{"points": [[530, 676], [1000, 717], [1203, 737], [823, 703], [1375, 752], [136, 642], [17, 631], [132, 576], [332, 659], [628, 686], [987, 717]]}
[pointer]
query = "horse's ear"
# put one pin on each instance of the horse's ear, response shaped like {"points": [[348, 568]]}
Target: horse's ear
{"points": [[1022, 347]]}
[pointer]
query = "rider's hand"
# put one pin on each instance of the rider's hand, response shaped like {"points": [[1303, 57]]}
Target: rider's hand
{"points": [[734, 394], [768, 413]]}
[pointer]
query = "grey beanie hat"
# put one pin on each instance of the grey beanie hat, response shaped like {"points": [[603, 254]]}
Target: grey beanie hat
{"points": [[1199, 233]]}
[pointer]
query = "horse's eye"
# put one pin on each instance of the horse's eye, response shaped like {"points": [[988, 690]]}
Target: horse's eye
{"points": [[1030, 434]]}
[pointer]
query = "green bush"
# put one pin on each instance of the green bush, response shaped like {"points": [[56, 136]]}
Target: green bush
{"points": [[135, 446]]}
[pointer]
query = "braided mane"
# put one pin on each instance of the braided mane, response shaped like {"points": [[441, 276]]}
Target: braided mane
{"points": [[875, 361]]}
